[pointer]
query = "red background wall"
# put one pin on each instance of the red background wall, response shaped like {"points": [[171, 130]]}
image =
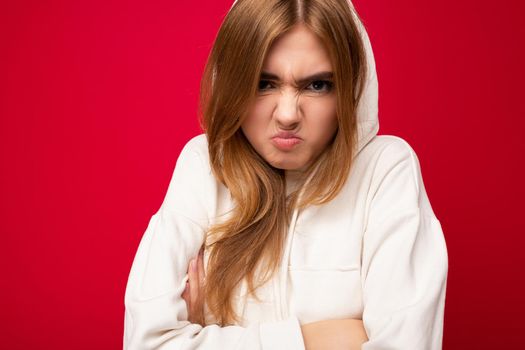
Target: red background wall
{"points": [[97, 99]]}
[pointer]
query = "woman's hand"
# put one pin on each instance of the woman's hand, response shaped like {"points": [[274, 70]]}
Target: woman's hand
{"points": [[194, 292]]}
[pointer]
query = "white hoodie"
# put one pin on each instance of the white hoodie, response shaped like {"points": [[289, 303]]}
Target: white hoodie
{"points": [[376, 252]]}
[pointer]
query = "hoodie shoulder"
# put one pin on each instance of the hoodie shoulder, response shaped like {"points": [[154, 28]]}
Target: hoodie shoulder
{"points": [[386, 151], [391, 144], [389, 151], [390, 160], [197, 148], [197, 144]]}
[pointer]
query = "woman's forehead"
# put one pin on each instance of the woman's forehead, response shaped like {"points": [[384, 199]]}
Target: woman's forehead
{"points": [[299, 53]]}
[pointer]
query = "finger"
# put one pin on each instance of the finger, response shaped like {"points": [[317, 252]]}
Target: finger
{"points": [[199, 300], [202, 280], [201, 269], [186, 294], [190, 284], [194, 282]]}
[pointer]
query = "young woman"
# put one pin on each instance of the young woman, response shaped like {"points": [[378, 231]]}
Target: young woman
{"points": [[313, 231]]}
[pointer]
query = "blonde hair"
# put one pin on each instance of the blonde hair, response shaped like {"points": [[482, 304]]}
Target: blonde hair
{"points": [[251, 240]]}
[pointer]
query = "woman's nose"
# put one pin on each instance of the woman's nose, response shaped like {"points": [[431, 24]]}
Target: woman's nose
{"points": [[287, 109]]}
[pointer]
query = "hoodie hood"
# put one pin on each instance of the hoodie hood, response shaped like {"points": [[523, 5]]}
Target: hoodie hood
{"points": [[367, 109]]}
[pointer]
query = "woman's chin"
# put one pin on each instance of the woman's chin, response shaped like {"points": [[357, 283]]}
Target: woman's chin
{"points": [[294, 167]]}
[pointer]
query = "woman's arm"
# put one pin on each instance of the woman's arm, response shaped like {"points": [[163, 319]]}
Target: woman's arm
{"points": [[345, 334], [404, 257]]}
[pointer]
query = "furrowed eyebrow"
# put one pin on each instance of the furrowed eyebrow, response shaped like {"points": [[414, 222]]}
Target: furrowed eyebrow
{"points": [[313, 77]]}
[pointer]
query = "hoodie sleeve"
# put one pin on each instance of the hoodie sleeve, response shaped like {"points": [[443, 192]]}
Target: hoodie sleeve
{"points": [[155, 315], [405, 262]]}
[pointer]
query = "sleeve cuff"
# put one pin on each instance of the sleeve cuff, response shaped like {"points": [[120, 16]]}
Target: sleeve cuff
{"points": [[286, 335]]}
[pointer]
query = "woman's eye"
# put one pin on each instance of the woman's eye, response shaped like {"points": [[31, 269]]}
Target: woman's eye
{"points": [[315, 86], [320, 86], [263, 84]]}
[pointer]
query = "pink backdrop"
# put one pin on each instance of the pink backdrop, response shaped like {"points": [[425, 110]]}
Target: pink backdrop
{"points": [[97, 99]]}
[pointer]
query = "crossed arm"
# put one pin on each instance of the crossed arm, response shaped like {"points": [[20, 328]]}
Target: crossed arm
{"points": [[330, 334]]}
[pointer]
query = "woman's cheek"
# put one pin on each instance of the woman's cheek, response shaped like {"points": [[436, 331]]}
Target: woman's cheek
{"points": [[321, 116]]}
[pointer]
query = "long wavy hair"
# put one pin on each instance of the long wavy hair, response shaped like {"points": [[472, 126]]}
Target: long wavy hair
{"points": [[249, 243]]}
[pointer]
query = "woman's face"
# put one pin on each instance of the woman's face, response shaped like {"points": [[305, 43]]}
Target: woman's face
{"points": [[293, 117]]}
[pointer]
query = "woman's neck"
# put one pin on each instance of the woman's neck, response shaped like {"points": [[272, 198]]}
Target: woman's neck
{"points": [[292, 179]]}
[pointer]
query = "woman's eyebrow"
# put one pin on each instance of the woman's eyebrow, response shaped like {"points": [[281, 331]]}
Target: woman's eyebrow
{"points": [[316, 76]]}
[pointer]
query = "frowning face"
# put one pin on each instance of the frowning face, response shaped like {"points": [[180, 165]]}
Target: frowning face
{"points": [[293, 117]]}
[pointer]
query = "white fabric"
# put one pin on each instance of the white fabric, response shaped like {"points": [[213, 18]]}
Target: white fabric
{"points": [[376, 252]]}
